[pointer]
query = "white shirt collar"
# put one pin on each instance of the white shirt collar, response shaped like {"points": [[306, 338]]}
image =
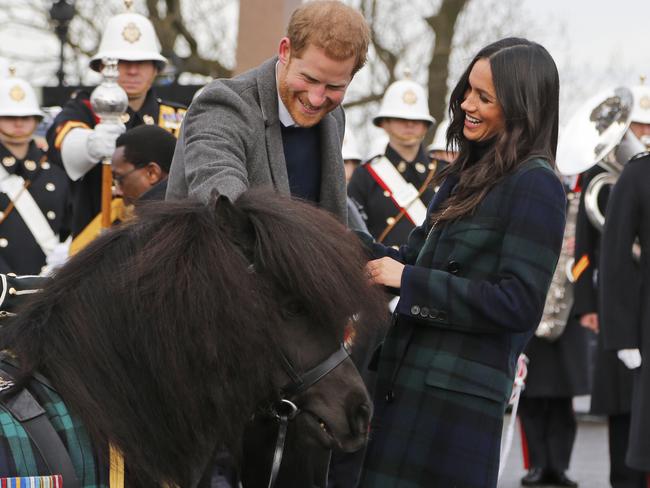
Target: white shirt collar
{"points": [[283, 113]]}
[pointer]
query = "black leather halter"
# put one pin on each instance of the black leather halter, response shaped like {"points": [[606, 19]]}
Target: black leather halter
{"points": [[285, 410]]}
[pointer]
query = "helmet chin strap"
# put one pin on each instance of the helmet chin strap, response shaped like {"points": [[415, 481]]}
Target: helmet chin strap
{"points": [[406, 140], [13, 140]]}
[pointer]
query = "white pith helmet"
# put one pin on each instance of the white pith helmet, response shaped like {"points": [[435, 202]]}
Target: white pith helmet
{"points": [[350, 149], [377, 146], [439, 142], [404, 99], [18, 99], [641, 108], [129, 37]]}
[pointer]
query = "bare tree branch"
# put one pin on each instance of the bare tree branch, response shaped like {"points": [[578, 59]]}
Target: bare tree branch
{"points": [[444, 25]]}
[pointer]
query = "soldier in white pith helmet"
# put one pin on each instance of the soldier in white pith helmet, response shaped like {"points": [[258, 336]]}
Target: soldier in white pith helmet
{"points": [[438, 148], [392, 189], [33, 194], [77, 142]]}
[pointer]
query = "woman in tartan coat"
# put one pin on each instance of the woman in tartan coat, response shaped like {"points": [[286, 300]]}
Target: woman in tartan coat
{"points": [[472, 279]]}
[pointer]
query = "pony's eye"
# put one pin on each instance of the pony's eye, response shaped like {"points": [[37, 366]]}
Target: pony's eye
{"points": [[294, 309]]}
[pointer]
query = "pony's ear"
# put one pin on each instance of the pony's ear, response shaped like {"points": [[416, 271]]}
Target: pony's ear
{"points": [[217, 200], [223, 206], [236, 219]]}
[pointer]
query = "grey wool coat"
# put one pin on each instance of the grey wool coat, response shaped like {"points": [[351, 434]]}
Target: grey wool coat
{"points": [[231, 140]]}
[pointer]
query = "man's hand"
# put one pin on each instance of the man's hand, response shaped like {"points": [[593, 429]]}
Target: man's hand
{"points": [[590, 321], [631, 357], [101, 143], [385, 271]]}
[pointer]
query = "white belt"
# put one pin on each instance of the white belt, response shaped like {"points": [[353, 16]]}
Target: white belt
{"points": [[13, 186], [403, 193]]}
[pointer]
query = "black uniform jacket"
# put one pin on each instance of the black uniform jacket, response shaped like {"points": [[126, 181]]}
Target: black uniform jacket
{"points": [[375, 203], [78, 113], [625, 293], [612, 382], [48, 185]]}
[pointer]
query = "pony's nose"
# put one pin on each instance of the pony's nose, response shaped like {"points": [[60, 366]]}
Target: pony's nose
{"points": [[360, 419]]}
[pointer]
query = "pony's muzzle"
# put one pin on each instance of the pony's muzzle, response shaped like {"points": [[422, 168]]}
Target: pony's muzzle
{"points": [[359, 420]]}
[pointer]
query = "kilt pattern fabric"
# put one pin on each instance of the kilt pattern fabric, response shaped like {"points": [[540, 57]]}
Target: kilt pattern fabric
{"points": [[472, 294], [20, 458]]}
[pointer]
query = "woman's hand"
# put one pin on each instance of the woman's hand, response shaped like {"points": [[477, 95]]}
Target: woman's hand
{"points": [[385, 271]]}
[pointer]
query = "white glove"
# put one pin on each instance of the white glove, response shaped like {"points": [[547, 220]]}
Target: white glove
{"points": [[101, 143], [631, 357], [57, 257]]}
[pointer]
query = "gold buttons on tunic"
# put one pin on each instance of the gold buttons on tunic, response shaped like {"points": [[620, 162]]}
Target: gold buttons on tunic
{"points": [[420, 168], [148, 119], [390, 220], [51, 215], [45, 165], [386, 193], [50, 186], [124, 118], [8, 161], [401, 167], [30, 165], [3, 242]]}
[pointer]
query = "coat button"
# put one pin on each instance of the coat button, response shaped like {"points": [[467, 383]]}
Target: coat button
{"points": [[415, 310], [453, 267], [3, 242], [50, 186], [433, 314], [51, 215], [424, 312]]}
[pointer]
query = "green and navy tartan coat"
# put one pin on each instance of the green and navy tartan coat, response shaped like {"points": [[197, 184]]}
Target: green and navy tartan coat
{"points": [[20, 457], [472, 294]]}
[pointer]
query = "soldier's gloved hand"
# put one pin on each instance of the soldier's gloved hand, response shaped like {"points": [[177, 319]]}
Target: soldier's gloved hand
{"points": [[101, 143], [631, 357]]}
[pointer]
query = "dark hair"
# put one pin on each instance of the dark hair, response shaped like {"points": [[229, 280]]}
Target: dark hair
{"points": [[527, 88], [148, 143]]}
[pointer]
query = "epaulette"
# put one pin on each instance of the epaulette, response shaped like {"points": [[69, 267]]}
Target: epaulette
{"points": [[14, 289], [371, 159], [640, 155], [171, 104]]}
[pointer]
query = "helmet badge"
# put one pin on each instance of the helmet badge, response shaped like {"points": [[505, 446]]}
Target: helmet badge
{"points": [[644, 103], [17, 94], [409, 97], [131, 33]]}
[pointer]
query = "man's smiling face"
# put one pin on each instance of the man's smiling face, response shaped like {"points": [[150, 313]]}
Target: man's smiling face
{"points": [[312, 85]]}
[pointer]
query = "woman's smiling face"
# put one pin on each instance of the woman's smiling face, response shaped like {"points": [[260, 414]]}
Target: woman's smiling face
{"points": [[483, 114]]}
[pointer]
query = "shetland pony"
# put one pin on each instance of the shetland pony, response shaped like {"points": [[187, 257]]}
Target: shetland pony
{"points": [[166, 336]]}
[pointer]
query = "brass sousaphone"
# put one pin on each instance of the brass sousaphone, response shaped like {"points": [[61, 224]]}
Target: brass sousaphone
{"points": [[590, 138]]}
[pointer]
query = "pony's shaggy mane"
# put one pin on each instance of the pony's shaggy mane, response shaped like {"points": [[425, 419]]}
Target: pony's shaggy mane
{"points": [[162, 330]]}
